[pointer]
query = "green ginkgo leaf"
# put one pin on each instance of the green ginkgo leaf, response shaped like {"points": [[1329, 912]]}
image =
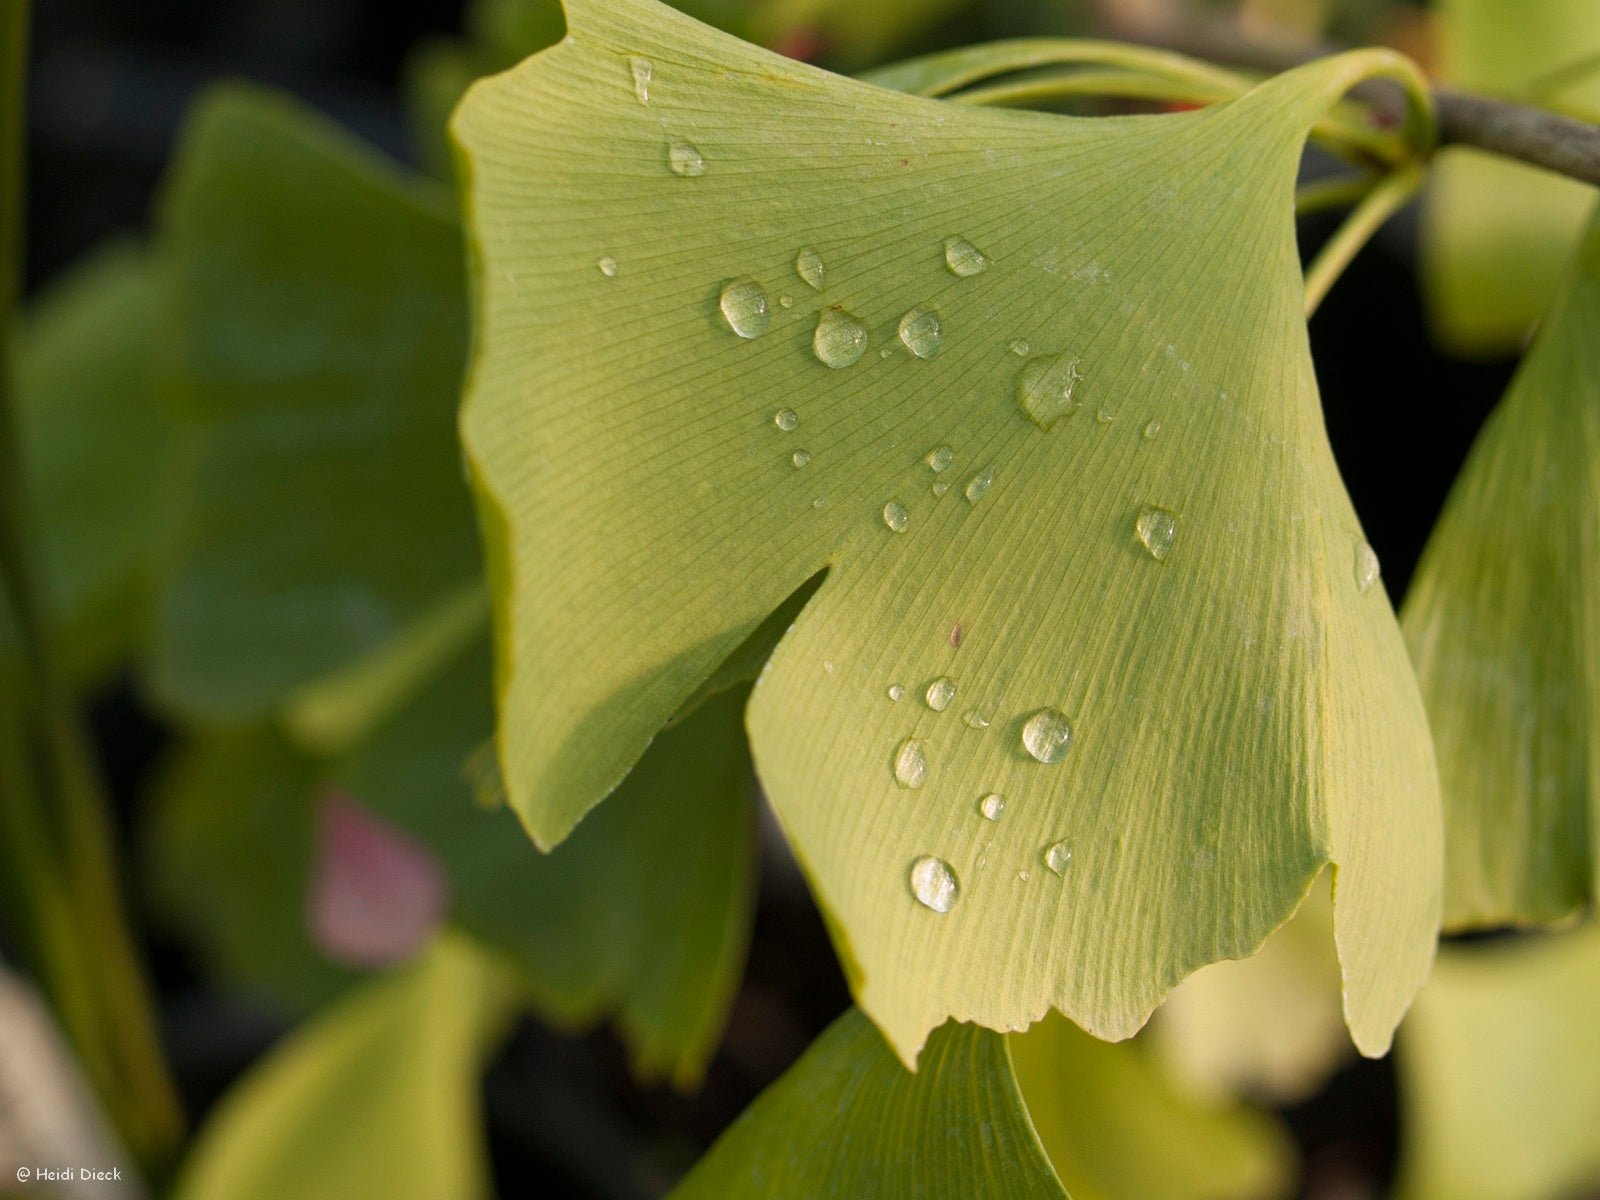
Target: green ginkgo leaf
{"points": [[378, 1097], [1034, 393], [316, 306], [1500, 619], [1499, 1090], [1497, 233]]}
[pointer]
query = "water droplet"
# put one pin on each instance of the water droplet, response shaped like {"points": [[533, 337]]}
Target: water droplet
{"points": [[786, 419], [745, 308], [1157, 529], [686, 160], [608, 267], [941, 487], [975, 719], [940, 692], [921, 332], [934, 884], [896, 692], [895, 516], [963, 258], [840, 338], [1058, 857], [1045, 387], [1151, 429], [1104, 416], [643, 72], [800, 458], [808, 265], [1023, 875], [1020, 347], [939, 458], [910, 764], [1367, 567], [1047, 735], [818, 502], [827, 665], [992, 805], [979, 484], [785, 301]]}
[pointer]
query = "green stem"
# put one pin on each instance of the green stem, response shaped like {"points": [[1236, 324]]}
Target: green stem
{"points": [[1343, 192], [1379, 205], [61, 885]]}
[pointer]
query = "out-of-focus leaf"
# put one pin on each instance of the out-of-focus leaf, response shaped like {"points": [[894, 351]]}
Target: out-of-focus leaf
{"points": [[1164, 555], [1266, 1025], [1502, 625], [848, 1121], [316, 301], [1116, 1128], [854, 33], [378, 1097], [1500, 1073], [94, 444], [1496, 233]]}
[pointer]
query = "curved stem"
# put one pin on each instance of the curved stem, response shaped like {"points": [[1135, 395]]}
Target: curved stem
{"points": [[1379, 205], [1324, 194]]}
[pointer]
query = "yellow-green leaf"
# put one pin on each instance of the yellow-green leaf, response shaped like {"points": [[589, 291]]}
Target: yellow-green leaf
{"points": [[378, 1097], [1501, 623], [1500, 1089], [1162, 552]]}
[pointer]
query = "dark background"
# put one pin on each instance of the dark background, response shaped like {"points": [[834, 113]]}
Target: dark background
{"points": [[110, 86]]}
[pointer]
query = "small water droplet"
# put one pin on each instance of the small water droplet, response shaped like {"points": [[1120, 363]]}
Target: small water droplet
{"points": [[895, 516], [934, 884], [785, 301], [1104, 416], [818, 502], [921, 332], [686, 160], [1047, 735], [800, 458], [963, 258], [808, 265], [1058, 856], [896, 692], [979, 484], [1045, 387], [1151, 429], [608, 267], [939, 458], [643, 72], [941, 487], [786, 419], [940, 692], [1157, 529], [992, 805], [744, 308], [955, 636], [975, 719], [910, 764], [1020, 347], [1023, 875], [840, 338], [1367, 567], [827, 665]]}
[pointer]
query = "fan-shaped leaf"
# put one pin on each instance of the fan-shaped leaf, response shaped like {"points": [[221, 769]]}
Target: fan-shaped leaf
{"points": [[1042, 407]]}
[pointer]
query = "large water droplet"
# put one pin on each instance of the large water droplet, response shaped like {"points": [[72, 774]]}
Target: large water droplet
{"points": [[1367, 567], [939, 458], [940, 692], [910, 764], [608, 267], [786, 419], [808, 265], [934, 884], [1058, 856], [643, 72], [745, 308], [840, 338], [921, 332], [686, 160], [800, 458], [896, 691], [895, 516], [1152, 428], [1047, 735], [992, 805], [1157, 529], [963, 258], [1045, 387], [979, 484]]}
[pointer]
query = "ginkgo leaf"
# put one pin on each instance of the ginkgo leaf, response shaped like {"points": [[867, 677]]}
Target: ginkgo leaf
{"points": [[316, 303], [1035, 393], [377, 1097], [1501, 625], [1500, 1097], [1497, 233]]}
